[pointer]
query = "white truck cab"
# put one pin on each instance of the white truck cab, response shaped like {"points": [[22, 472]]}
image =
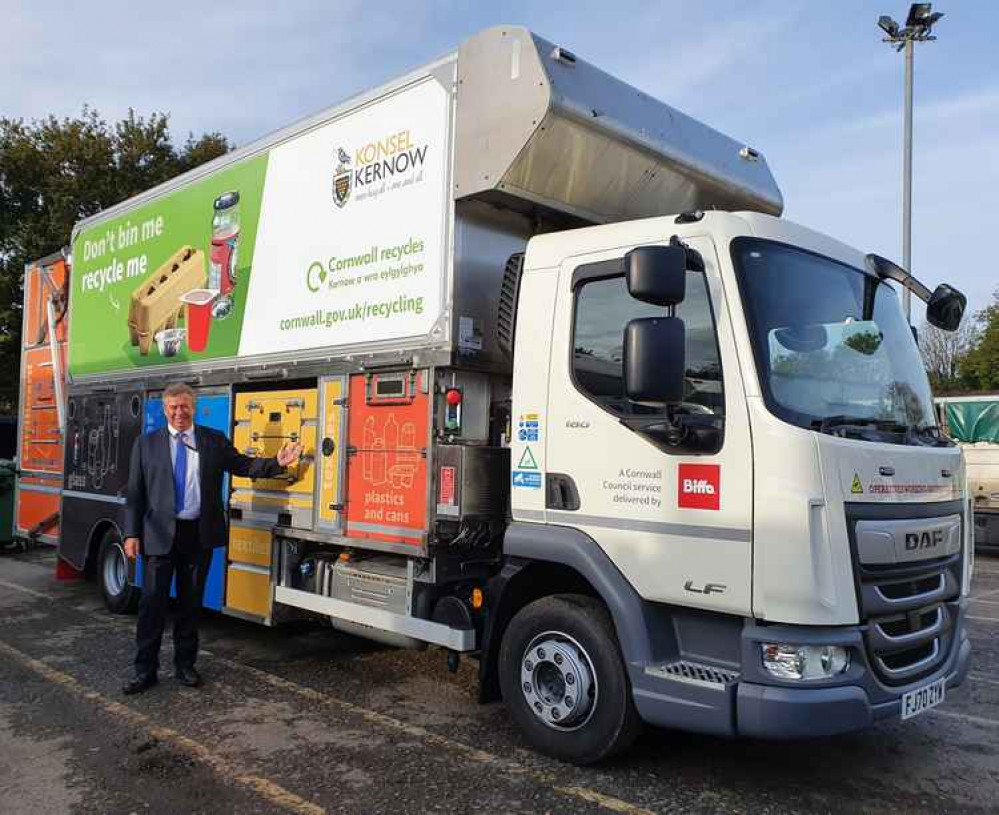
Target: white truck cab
{"points": [[784, 546]]}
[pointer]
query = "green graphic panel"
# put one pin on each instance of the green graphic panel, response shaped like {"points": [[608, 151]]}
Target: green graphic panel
{"points": [[144, 291]]}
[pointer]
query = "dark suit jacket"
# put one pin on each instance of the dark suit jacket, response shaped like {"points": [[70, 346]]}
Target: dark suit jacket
{"points": [[149, 511]]}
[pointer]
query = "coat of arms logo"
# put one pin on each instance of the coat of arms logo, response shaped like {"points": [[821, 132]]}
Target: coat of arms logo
{"points": [[341, 178]]}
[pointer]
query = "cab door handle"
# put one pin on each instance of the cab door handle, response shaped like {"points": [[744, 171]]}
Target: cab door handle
{"points": [[561, 492]]}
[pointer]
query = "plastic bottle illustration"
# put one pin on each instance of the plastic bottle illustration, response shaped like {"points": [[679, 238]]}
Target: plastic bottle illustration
{"points": [[225, 252], [391, 441], [407, 456], [367, 456]]}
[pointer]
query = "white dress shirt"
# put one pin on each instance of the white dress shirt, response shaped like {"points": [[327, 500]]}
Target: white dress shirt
{"points": [[192, 484]]}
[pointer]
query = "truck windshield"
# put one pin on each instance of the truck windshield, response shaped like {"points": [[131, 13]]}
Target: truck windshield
{"points": [[834, 351]]}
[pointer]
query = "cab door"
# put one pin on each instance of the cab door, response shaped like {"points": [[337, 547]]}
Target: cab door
{"points": [[678, 525]]}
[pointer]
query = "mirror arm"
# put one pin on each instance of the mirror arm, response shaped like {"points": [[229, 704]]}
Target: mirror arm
{"points": [[889, 271], [682, 433], [695, 263]]}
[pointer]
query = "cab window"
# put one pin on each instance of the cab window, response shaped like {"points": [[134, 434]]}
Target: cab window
{"points": [[604, 307]]}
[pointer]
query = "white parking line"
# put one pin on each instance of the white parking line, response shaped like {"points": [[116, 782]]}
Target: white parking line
{"points": [[976, 677], [986, 594], [982, 619], [964, 717], [501, 765], [987, 602], [272, 792]]}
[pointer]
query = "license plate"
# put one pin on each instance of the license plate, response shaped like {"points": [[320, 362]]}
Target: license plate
{"points": [[922, 699]]}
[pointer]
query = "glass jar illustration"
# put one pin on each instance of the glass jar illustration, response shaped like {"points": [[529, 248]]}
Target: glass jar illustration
{"points": [[225, 252]]}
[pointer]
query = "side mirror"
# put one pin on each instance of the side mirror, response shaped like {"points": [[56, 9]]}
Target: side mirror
{"points": [[946, 308], [654, 360], [657, 274]]}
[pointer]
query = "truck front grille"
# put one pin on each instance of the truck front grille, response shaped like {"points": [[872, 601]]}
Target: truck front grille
{"points": [[909, 609]]}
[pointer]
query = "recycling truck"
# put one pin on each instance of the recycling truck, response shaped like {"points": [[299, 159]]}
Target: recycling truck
{"points": [[575, 402]]}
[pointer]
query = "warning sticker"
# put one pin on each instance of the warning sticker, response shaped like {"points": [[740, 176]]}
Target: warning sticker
{"points": [[527, 461], [857, 487], [529, 427], [527, 480], [447, 485]]}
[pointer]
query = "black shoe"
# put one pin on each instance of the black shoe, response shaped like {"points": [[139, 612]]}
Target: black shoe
{"points": [[139, 684], [187, 676]]}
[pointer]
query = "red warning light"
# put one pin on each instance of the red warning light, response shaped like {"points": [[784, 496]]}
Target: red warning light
{"points": [[453, 396]]}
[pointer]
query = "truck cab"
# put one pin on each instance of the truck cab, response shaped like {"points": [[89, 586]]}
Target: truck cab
{"points": [[783, 547]]}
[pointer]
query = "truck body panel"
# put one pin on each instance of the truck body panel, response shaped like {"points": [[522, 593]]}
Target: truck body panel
{"points": [[42, 388]]}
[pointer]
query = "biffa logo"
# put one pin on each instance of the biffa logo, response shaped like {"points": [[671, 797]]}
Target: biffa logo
{"points": [[698, 486]]}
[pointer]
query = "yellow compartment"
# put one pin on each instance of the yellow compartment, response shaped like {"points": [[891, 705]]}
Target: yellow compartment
{"points": [[249, 592], [272, 502], [249, 544], [265, 421]]}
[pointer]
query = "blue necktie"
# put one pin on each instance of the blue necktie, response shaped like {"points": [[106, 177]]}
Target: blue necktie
{"points": [[179, 475]]}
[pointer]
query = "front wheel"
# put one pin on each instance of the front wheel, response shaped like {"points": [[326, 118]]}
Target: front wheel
{"points": [[564, 681], [120, 596]]}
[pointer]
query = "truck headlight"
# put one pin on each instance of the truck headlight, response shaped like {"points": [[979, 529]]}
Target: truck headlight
{"points": [[786, 661]]}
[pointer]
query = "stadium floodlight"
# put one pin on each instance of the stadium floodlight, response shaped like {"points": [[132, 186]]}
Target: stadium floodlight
{"points": [[918, 28]]}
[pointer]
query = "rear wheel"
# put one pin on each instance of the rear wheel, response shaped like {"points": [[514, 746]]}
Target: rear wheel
{"points": [[564, 681], [120, 596]]}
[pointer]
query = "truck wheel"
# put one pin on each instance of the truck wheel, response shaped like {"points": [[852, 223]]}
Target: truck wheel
{"points": [[564, 681], [120, 596]]}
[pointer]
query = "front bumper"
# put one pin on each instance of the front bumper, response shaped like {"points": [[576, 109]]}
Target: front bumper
{"points": [[769, 712], [756, 705]]}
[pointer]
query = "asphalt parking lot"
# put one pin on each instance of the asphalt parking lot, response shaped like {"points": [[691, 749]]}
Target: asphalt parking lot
{"points": [[304, 719]]}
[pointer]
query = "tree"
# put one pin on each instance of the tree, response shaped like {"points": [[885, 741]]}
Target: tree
{"points": [[943, 353], [53, 173], [980, 366]]}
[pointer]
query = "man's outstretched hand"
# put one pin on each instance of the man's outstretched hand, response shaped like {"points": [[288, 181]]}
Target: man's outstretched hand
{"points": [[131, 548], [289, 454]]}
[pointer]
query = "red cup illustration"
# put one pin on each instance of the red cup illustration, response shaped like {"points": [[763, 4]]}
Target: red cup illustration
{"points": [[199, 317]]}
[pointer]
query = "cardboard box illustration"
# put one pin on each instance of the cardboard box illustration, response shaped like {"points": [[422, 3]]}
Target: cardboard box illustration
{"points": [[155, 304]]}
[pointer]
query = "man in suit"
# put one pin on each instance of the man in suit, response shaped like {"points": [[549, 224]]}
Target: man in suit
{"points": [[175, 516]]}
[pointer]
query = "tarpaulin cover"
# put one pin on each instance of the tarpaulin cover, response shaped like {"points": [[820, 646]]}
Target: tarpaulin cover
{"points": [[974, 421]]}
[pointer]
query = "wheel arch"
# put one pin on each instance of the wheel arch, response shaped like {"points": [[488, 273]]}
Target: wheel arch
{"points": [[542, 560], [97, 532]]}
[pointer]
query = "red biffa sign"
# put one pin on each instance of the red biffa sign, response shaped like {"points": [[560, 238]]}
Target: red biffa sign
{"points": [[698, 486]]}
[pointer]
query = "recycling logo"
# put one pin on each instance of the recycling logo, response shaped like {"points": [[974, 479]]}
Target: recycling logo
{"points": [[315, 276]]}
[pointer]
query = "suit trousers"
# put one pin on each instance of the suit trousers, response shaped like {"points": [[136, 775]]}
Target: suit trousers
{"points": [[189, 562]]}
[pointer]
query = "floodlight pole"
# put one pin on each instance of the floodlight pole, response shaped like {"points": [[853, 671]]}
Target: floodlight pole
{"points": [[907, 177]]}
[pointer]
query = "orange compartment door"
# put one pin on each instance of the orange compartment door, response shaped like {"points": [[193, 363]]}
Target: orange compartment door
{"points": [[38, 504], [387, 457], [41, 443]]}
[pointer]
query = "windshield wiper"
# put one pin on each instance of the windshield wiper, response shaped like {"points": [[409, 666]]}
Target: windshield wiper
{"points": [[841, 421], [911, 433]]}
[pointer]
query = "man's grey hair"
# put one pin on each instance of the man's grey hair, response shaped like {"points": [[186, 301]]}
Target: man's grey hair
{"points": [[179, 389]]}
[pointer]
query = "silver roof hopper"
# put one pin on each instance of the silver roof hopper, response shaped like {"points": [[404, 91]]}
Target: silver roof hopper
{"points": [[538, 126]]}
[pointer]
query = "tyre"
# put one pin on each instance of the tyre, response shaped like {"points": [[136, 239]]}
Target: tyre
{"points": [[120, 596], [564, 681]]}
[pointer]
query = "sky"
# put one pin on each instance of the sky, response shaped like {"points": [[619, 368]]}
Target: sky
{"points": [[810, 84]]}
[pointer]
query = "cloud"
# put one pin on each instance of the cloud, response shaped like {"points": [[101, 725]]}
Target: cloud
{"points": [[675, 64], [967, 109]]}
